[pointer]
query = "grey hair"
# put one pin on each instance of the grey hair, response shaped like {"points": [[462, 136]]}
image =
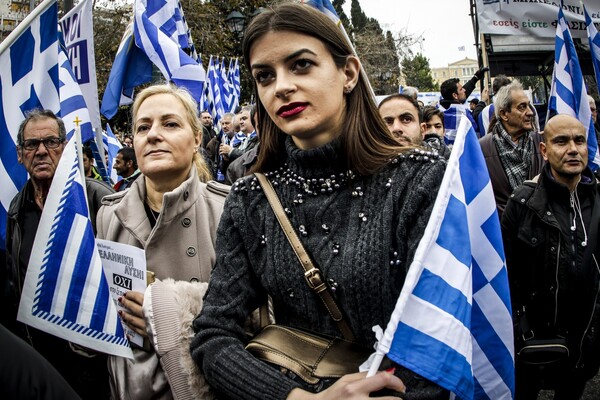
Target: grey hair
{"points": [[37, 114], [503, 99]]}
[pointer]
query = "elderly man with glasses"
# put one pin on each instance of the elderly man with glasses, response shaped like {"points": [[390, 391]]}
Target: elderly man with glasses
{"points": [[40, 143]]}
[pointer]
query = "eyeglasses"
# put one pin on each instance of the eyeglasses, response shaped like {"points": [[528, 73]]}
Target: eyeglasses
{"points": [[49, 143]]}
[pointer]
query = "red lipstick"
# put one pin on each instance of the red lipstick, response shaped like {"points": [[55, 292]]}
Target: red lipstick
{"points": [[292, 109]]}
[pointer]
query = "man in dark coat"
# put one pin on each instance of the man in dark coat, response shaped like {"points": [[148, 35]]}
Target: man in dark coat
{"points": [[550, 231], [40, 143]]}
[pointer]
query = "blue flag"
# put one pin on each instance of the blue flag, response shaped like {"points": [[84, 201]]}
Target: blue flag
{"points": [[568, 94], [326, 8], [32, 76], [452, 323], [594, 39], [65, 292], [72, 103], [112, 146], [152, 20], [130, 69], [235, 84]]}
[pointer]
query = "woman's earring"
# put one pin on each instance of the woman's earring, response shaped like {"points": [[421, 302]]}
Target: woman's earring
{"points": [[348, 90]]}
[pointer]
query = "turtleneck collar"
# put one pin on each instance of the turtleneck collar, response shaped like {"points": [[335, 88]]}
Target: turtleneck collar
{"points": [[321, 161]]}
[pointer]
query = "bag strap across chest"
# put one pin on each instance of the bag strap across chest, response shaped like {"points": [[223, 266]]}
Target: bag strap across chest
{"points": [[312, 275]]}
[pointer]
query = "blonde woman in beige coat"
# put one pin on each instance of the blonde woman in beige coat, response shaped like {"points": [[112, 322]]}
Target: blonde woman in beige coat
{"points": [[173, 215]]}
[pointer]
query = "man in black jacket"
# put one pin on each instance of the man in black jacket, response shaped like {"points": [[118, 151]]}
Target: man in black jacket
{"points": [[550, 231], [40, 143]]}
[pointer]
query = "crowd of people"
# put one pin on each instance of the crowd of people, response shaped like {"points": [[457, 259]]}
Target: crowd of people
{"points": [[357, 181]]}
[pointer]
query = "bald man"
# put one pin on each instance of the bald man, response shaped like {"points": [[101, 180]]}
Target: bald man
{"points": [[550, 231]]}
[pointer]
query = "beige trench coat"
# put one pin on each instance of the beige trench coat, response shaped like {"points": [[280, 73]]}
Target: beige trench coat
{"points": [[180, 251]]}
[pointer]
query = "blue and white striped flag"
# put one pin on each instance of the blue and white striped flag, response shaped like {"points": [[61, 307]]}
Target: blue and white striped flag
{"points": [[130, 69], [452, 323], [568, 94], [594, 39], [151, 19], [326, 8], [112, 146], [227, 96], [65, 291], [452, 117], [78, 33], [235, 84], [213, 83], [31, 77], [72, 102], [485, 116], [208, 103]]}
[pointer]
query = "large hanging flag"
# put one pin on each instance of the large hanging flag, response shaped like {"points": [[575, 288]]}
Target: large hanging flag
{"points": [[78, 33], [452, 322], [65, 291], [594, 39], [151, 19], [31, 77], [568, 94]]}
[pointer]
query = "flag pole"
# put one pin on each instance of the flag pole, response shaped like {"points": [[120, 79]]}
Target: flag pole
{"points": [[6, 43], [79, 147]]}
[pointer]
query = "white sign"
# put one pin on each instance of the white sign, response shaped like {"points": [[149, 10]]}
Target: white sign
{"points": [[125, 270], [536, 18]]}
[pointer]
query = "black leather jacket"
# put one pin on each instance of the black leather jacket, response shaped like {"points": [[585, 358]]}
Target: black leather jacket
{"points": [[550, 271]]}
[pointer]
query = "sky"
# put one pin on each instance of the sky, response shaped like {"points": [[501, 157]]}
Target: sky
{"points": [[445, 25]]}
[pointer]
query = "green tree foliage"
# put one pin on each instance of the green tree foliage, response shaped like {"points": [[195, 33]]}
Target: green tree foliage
{"points": [[377, 51], [337, 4], [359, 19], [416, 72]]}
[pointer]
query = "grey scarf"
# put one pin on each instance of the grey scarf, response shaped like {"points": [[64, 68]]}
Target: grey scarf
{"points": [[515, 157]]}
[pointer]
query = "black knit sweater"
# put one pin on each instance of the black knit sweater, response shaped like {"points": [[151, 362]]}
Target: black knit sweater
{"points": [[361, 231]]}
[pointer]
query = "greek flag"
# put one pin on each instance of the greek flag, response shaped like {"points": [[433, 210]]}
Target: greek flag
{"points": [[112, 146], [452, 323], [226, 91], [568, 94], [130, 69], [234, 84], [31, 76], [326, 8], [452, 117], [72, 102], [485, 116], [65, 291], [594, 39], [152, 17], [78, 31], [213, 83], [208, 103]]}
